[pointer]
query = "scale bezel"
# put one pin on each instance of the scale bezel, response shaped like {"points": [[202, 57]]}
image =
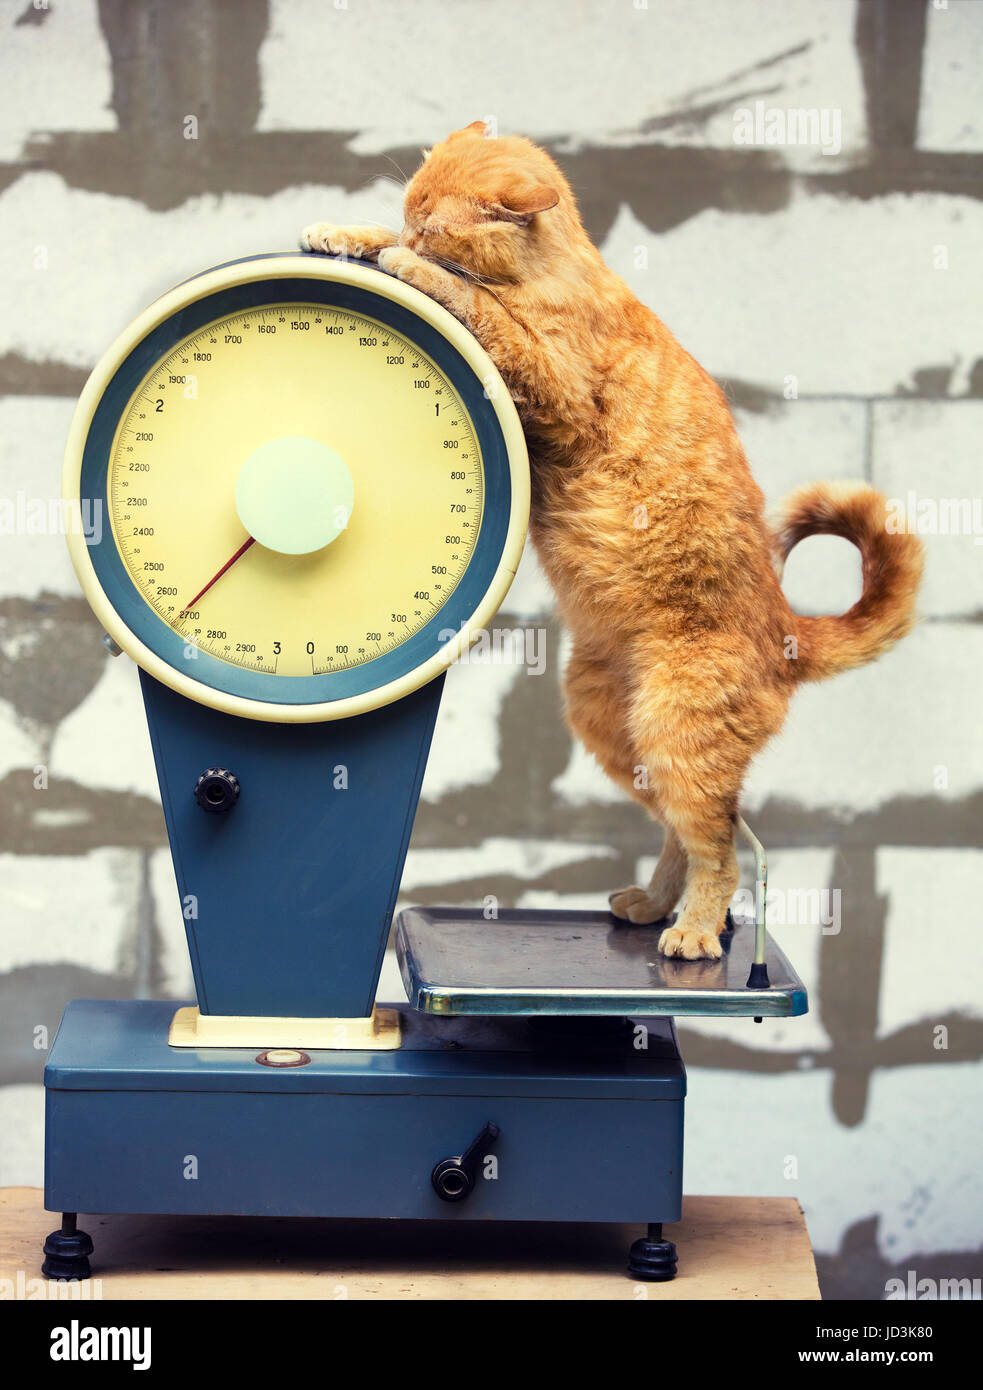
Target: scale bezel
{"points": [[301, 267]]}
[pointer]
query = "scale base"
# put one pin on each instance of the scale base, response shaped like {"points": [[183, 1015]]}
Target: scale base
{"points": [[379, 1032], [587, 1121]]}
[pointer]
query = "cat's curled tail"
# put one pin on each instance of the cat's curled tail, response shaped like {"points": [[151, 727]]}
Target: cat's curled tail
{"points": [[892, 561]]}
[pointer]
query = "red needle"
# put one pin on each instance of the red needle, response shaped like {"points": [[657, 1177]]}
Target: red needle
{"points": [[228, 565]]}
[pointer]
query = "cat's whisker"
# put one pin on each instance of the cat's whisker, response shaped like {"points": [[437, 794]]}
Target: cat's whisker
{"points": [[462, 270], [475, 278], [386, 178], [402, 172], [389, 218]]}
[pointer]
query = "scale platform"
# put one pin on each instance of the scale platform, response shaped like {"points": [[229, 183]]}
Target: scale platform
{"points": [[455, 961]]}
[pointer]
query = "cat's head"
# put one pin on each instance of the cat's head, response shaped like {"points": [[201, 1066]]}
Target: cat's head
{"points": [[498, 207]]}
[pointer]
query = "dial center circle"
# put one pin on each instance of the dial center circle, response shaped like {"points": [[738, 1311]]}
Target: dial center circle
{"points": [[294, 494]]}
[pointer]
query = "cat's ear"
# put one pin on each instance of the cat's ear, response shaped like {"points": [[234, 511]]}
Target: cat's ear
{"points": [[524, 200], [475, 128]]}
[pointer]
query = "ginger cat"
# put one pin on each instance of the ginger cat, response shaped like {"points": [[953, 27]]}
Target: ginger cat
{"points": [[644, 513]]}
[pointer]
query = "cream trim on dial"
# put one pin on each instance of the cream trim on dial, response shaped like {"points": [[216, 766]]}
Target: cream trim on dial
{"points": [[300, 267]]}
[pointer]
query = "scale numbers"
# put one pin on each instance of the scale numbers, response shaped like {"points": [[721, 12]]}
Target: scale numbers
{"points": [[282, 372]]}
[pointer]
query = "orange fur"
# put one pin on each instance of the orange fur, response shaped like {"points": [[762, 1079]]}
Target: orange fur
{"points": [[645, 515]]}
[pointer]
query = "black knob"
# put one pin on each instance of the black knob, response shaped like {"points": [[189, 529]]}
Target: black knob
{"points": [[453, 1179], [217, 789]]}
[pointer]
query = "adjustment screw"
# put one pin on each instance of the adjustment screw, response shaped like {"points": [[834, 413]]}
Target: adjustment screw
{"points": [[217, 789]]}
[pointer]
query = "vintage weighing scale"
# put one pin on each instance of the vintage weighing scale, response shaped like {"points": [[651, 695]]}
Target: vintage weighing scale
{"points": [[313, 491]]}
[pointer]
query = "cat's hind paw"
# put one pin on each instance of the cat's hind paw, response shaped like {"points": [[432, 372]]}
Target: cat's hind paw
{"points": [[690, 944], [635, 905]]}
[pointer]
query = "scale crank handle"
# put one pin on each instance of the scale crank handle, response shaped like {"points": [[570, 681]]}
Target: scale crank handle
{"points": [[453, 1179]]}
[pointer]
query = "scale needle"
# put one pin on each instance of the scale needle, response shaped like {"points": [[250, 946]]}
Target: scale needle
{"points": [[228, 565]]}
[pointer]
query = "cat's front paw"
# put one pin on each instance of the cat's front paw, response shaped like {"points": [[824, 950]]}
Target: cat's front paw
{"points": [[690, 944], [358, 243], [432, 280], [401, 262], [635, 905]]}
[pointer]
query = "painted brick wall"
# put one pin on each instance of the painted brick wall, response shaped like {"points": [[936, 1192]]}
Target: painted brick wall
{"points": [[835, 289]]}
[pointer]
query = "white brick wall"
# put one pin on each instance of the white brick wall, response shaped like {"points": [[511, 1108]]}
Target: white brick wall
{"points": [[826, 291], [870, 735], [81, 909], [56, 73], [840, 300], [933, 956], [104, 742], [614, 66], [949, 113], [932, 449], [32, 441], [62, 310], [912, 1163]]}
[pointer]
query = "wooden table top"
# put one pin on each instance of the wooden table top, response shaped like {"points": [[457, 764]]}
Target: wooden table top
{"points": [[729, 1248]]}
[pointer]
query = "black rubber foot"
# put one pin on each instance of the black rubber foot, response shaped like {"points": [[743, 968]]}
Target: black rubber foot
{"points": [[653, 1260], [67, 1255], [758, 978]]}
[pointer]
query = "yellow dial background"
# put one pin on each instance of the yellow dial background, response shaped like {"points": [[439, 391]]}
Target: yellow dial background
{"points": [[331, 375]]}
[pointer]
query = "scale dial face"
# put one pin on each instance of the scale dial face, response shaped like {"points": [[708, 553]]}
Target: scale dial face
{"points": [[311, 483], [338, 604]]}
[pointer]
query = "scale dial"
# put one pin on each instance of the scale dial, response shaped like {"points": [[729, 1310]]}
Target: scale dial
{"points": [[323, 494], [309, 488]]}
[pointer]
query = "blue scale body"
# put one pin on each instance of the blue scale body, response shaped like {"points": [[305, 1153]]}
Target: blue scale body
{"points": [[293, 894], [584, 1137], [293, 891]]}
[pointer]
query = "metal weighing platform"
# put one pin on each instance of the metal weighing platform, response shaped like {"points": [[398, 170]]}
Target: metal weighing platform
{"points": [[580, 963]]}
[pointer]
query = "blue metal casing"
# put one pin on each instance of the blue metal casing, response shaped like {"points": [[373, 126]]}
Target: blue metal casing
{"points": [[588, 1133], [288, 897]]}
